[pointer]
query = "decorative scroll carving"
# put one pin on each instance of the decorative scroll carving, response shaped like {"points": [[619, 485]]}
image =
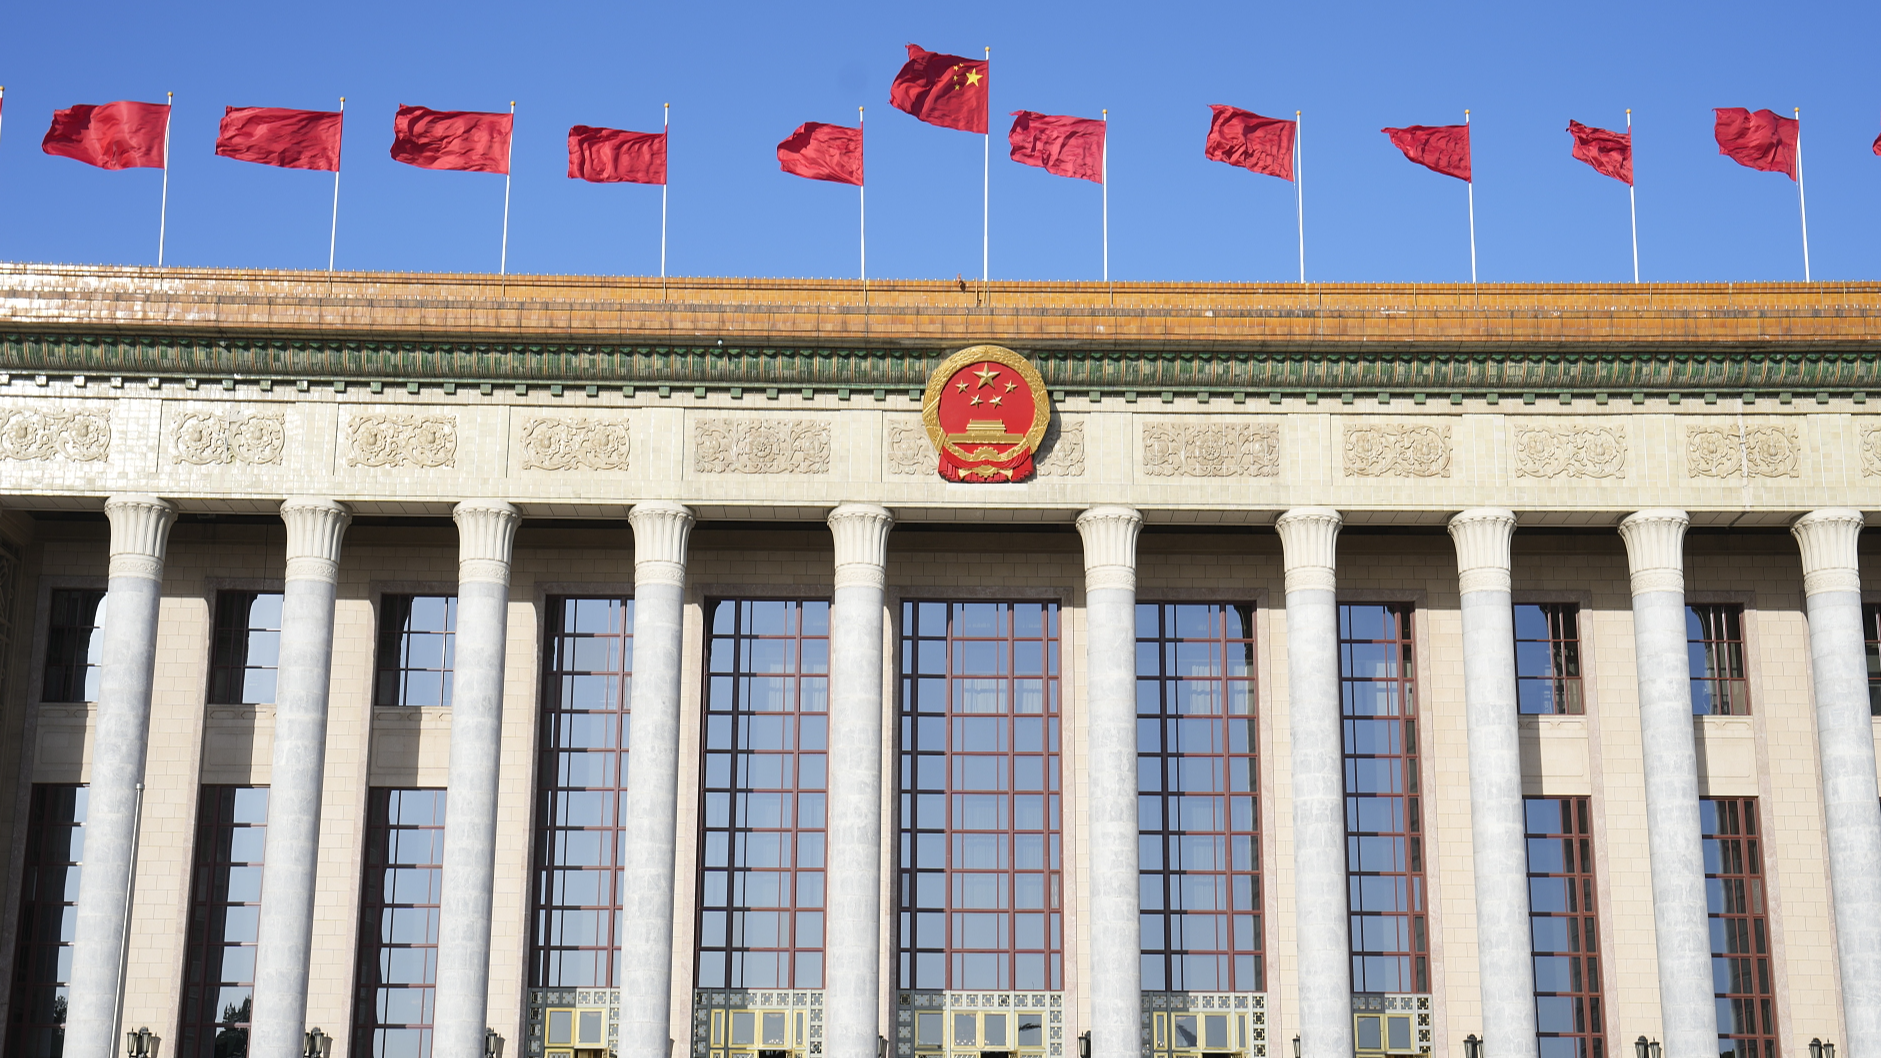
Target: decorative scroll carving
{"points": [[1770, 451], [80, 436], [1871, 452], [1211, 450], [215, 440], [760, 446], [388, 440], [1397, 450], [575, 444], [909, 451], [1061, 454], [1570, 451]]}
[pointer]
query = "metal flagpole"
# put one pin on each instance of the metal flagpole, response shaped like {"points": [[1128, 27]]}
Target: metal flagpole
{"points": [[986, 171], [666, 124], [862, 203], [1106, 175], [163, 208], [3, 96], [1472, 192], [1632, 201], [1299, 195], [1801, 206], [333, 237], [503, 262]]}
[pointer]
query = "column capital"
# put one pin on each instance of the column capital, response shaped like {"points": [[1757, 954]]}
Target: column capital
{"points": [[661, 529], [1655, 549], [860, 531], [1828, 538], [1110, 547], [140, 534], [1309, 544], [315, 528], [486, 533], [1482, 536]]}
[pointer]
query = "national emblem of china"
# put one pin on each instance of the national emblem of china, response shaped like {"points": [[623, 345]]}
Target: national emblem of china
{"points": [[986, 410]]}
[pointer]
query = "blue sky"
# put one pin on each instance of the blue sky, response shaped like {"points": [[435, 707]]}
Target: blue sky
{"points": [[741, 76]]}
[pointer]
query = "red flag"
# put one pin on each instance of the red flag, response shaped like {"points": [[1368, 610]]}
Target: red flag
{"points": [[119, 135], [944, 90], [1244, 138], [612, 156], [463, 140], [1609, 152], [1064, 146], [1765, 140], [1877, 144], [291, 139], [823, 152], [1440, 148]]}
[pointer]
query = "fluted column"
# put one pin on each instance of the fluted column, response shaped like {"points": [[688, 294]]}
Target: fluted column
{"points": [[1655, 551], [1116, 982], [284, 951], [1845, 742], [648, 832], [1498, 831], [1309, 538], [486, 530], [140, 532], [853, 883]]}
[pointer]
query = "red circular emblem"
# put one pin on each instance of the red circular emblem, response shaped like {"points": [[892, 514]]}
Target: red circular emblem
{"points": [[986, 410]]}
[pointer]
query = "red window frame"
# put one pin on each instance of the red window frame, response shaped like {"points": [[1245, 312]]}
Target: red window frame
{"points": [[396, 982], [74, 641], [246, 650], [417, 650], [1740, 933], [1871, 622], [1548, 659], [55, 843], [1714, 634], [1564, 921], [224, 918]]}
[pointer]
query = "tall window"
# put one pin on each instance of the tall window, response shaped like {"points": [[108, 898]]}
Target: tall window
{"points": [[398, 924], [1871, 620], [1740, 935], [1564, 927], [42, 954], [417, 645], [74, 647], [980, 859], [247, 648], [224, 917], [1548, 658], [583, 777], [766, 747], [1715, 644], [1198, 810], [1383, 821]]}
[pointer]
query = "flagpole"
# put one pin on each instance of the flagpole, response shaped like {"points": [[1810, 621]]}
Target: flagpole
{"points": [[1801, 206], [986, 171], [1471, 182], [3, 96], [333, 237], [1632, 201], [1106, 175], [1299, 194], [163, 208], [666, 122], [862, 203], [502, 267]]}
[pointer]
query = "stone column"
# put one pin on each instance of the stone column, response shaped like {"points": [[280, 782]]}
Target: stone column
{"points": [[1655, 551], [140, 531], [284, 950], [648, 833], [853, 888], [1116, 982], [486, 530], [1845, 741], [1309, 538], [1498, 830]]}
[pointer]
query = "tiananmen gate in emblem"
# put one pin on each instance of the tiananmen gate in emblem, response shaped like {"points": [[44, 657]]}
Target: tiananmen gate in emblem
{"points": [[986, 410]]}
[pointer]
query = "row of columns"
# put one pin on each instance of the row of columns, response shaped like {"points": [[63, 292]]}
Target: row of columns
{"points": [[1309, 536]]}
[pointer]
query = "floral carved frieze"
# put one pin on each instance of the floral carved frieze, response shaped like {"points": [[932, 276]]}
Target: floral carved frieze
{"points": [[204, 439], [908, 451], [80, 436], [392, 440], [1397, 450], [1570, 451], [1211, 450], [1061, 453], [575, 444], [1871, 452], [760, 446], [1771, 451]]}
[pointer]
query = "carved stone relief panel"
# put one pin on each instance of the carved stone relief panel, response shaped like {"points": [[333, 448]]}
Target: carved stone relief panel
{"points": [[575, 444], [1871, 452], [80, 436], [908, 451], [205, 439], [391, 440], [1766, 451], [1397, 450], [1061, 453], [760, 446], [1570, 450], [1211, 449]]}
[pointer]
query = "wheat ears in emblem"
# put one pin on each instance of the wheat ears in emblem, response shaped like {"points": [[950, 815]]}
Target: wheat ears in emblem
{"points": [[986, 410]]}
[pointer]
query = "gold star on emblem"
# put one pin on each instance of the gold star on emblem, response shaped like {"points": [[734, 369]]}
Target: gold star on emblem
{"points": [[976, 401], [1010, 386], [963, 387], [986, 375], [973, 77], [996, 400]]}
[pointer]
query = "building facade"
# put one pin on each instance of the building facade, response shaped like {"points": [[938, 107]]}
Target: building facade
{"points": [[609, 667]]}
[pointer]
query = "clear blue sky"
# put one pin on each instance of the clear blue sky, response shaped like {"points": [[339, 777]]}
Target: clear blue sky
{"points": [[740, 76]]}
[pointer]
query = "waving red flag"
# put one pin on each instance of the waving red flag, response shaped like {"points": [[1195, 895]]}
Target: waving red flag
{"points": [[291, 139], [612, 156], [1440, 148], [119, 135], [1765, 140], [462, 140], [823, 152], [1244, 138], [1064, 146], [1609, 152], [944, 90]]}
